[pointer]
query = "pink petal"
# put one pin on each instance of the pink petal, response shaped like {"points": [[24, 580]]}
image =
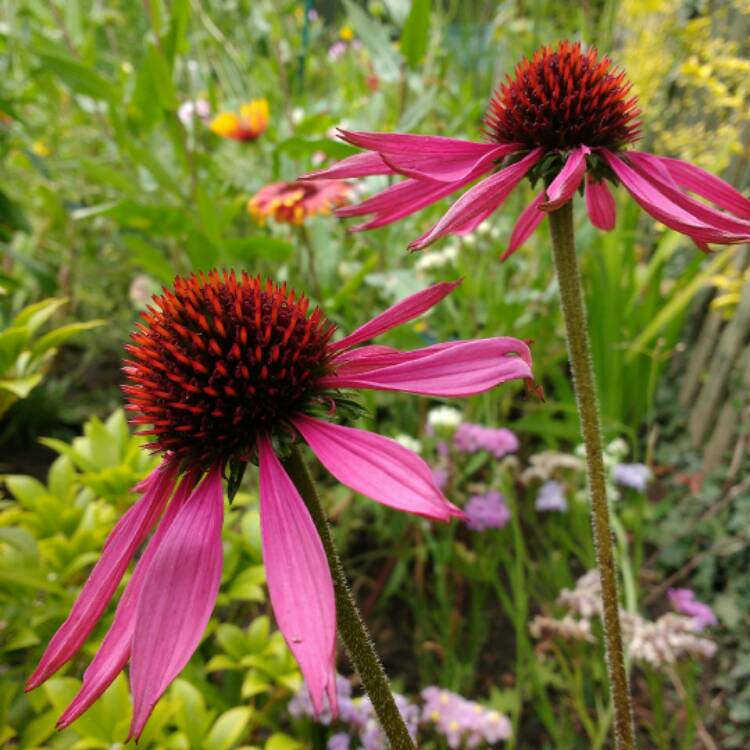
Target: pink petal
{"points": [[431, 157], [407, 309], [177, 596], [299, 579], [377, 467], [527, 223], [707, 185], [359, 165], [114, 652], [656, 203], [477, 203], [400, 200], [118, 550], [652, 169], [600, 204], [564, 186], [454, 369]]}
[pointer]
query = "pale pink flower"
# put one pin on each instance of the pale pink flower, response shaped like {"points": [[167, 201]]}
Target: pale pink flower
{"points": [[564, 119], [225, 370]]}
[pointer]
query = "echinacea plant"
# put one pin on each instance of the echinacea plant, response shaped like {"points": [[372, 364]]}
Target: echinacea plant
{"points": [[566, 119], [225, 370], [293, 202]]}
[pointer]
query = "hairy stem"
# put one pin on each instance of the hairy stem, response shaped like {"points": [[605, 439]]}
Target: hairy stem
{"points": [[351, 628], [571, 298]]}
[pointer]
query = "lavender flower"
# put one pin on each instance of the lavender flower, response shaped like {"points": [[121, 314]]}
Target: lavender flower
{"points": [[463, 721], [635, 476], [470, 438], [487, 511], [190, 110], [336, 50], [684, 601], [339, 741], [551, 496], [440, 477]]}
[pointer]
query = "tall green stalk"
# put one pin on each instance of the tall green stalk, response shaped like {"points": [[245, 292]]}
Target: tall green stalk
{"points": [[350, 626], [576, 332]]}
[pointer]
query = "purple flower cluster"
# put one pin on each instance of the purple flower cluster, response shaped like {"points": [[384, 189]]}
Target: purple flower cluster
{"points": [[684, 602], [635, 476], [358, 713], [470, 438], [551, 496], [487, 511], [463, 722]]}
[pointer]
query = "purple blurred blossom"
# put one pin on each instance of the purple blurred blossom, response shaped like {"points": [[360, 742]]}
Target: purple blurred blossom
{"points": [[635, 476], [190, 110], [463, 721], [440, 477], [470, 438], [551, 496], [336, 50], [339, 741], [487, 511], [684, 602]]}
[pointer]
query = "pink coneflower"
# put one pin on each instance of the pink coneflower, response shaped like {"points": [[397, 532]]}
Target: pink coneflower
{"points": [[226, 370], [564, 119], [293, 202]]}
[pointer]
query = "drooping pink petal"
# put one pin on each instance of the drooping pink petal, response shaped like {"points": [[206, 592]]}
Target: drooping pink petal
{"points": [[600, 204], [177, 596], [707, 185], [118, 550], [452, 369], [568, 179], [114, 651], [402, 199], [298, 576], [477, 203], [377, 467], [526, 225], [656, 203], [359, 165], [651, 168], [407, 309], [431, 157]]}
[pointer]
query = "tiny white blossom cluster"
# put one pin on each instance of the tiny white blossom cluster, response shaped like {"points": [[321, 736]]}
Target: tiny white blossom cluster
{"points": [[658, 643]]}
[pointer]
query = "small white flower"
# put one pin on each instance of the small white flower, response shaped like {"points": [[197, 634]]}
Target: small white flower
{"points": [[445, 417], [409, 442]]}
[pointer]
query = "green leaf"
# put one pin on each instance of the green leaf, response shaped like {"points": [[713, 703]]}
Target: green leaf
{"points": [[21, 387], [149, 257], [190, 712], [228, 729], [12, 342], [375, 38], [259, 246], [232, 639], [161, 77], [78, 77], [416, 32], [60, 335], [279, 741], [21, 539], [33, 316]]}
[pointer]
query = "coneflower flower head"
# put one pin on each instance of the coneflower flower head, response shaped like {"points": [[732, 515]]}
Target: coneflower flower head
{"points": [[224, 370], [219, 361], [562, 98], [566, 119]]}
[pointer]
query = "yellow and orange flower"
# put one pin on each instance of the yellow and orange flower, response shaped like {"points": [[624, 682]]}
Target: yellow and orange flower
{"points": [[293, 202], [250, 123]]}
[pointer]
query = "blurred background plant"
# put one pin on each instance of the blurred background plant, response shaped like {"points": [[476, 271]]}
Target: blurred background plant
{"points": [[132, 138]]}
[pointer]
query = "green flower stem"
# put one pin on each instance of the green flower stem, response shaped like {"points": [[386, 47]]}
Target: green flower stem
{"points": [[571, 298], [351, 628]]}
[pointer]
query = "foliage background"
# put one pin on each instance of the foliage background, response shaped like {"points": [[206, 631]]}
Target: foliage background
{"points": [[105, 194]]}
